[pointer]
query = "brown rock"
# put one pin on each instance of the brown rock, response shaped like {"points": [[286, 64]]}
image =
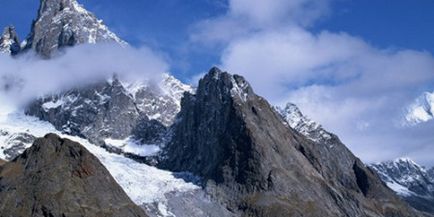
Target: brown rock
{"points": [[59, 177]]}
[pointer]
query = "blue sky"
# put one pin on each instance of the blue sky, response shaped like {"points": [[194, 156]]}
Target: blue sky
{"points": [[353, 66], [166, 25]]}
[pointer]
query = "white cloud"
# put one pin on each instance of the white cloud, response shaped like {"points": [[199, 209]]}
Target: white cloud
{"points": [[28, 76], [351, 87], [246, 16]]}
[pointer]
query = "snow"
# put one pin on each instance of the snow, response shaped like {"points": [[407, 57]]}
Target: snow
{"points": [[405, 177], [239, 89], [132, 146], [142, 183], [52, 104], [399, 189], [302, 124], [422, 110]]}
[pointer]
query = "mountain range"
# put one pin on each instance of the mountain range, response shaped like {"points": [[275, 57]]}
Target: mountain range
{"points": [[168, 149], [411, 181]]}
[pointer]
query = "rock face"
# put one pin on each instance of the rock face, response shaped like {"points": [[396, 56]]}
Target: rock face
{"points": [[9, 42], [410, 181], [57, 177], [63, 23], [431, 174], [256, 165], [297, 121], [114, 110], [103, 110], [14, 143]]}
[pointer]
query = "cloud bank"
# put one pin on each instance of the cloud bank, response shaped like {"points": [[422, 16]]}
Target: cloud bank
{"points": [[354, 89], [28, 76]]}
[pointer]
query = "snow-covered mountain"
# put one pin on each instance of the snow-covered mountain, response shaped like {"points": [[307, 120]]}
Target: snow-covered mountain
{"points": [[113, 113], [422, 110], [250, 160], [63, 23], [9, 42], [409, 180]]}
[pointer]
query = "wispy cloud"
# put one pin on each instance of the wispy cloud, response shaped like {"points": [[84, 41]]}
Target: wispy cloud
{"points": [[354, 89], [29, 76]]}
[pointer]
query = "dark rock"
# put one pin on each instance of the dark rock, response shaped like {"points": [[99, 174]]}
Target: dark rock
{"points": [[9, 42], [258, 166], [58, 177], [431, 174]]}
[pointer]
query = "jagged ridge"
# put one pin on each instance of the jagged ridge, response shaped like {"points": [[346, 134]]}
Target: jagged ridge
{"points": [[258, 166], [409, 180]]}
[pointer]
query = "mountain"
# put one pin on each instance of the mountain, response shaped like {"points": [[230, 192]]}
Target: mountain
{"points": [[58, 177], [410, 181], [431, 174], [256, 165], [9, 42], [112, 112], [64, 23], [422, 110], [14, 144], [158, 192], [297, 121]]}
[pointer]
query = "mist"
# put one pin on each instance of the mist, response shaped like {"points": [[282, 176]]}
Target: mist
{"points": [[28, 76]]}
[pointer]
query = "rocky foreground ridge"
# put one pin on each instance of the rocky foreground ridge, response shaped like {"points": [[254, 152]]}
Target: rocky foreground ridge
{"points": [[58, 177]]}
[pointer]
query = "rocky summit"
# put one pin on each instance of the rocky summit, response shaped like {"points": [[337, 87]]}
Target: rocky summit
{"points": [[9, 42], [257, 165], [412, 182], [64, 23], [58, 177]]}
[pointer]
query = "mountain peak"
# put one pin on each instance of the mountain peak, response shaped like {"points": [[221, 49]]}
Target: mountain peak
{"points": [[258, 166], [9, 42], [409, 180], [422, 110], [63, 23]]}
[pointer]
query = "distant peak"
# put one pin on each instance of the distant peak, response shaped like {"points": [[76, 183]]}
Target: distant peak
{"points": [[65, 23], [421, 110], [404, 160]]}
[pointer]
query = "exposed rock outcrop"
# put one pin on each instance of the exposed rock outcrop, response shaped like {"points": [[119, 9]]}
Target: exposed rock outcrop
{"points": [[97, 112], [9, 42], [58, 177], [254, 163]]}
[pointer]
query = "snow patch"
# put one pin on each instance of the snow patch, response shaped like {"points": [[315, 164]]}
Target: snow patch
{"points": [[399, 189], [422, 110], [132, 146], [143, 184]]}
